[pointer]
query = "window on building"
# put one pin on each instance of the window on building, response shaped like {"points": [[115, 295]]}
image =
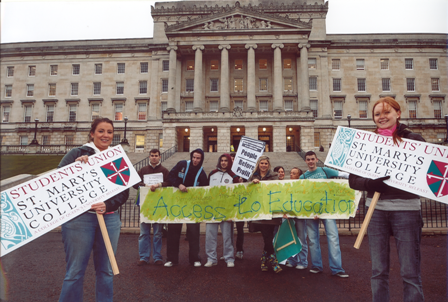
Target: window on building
{"points": [[28, 109], [238, 104], [313, 105], [384, 64], [360, 64], [143, 87], [76, 68], [53, 70], [10, 71], [8, 91], [287, 84], [142, 111], [72, 113], [189, 106], [312, 63], [412, 109], [140, 141], [385, 84], [409, 64], [336, 84], [214, 85], [435, 84], [264, 106], [317, 139], [437, 109], [6, 112], [263, 64], [214, 64], [99, 68], [287, 64], [263, 84], [164, 106], [362, 109], [164, 85], [441, 137], [50, 113], [288, 105], [337, 110], [24, 140], [95, 111], [238, 64], [69, 140], [160, 140], [52, 89], [97, 88], [74, 88], [32, 70], [45, 140], [121, 68], [361, 85], [30, 90], [313, 83], [190, 65], [189, 85], [144, 67], [165, 65], [410, 84], [120, 87], [118, 108], [433, 64], [335, 64], [214, 106], [238, 85], [116, 139]]}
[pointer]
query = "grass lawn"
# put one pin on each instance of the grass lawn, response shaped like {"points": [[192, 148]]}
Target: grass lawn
{"points": [[12, 165]]}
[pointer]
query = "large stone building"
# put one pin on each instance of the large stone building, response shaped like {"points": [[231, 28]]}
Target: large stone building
{"points": [[215, 71]]}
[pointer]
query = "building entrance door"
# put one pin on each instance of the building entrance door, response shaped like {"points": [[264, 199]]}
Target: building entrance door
{"points": [[212, 144], [290, 143], [236, 142], [186, 144], [267, 140]]}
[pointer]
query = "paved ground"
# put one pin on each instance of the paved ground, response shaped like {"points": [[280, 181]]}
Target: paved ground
{"points": [[36, 270]]}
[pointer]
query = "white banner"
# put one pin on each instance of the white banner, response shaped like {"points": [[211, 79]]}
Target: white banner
{"points": [[249, 150], [35, 207], [414, 166]]}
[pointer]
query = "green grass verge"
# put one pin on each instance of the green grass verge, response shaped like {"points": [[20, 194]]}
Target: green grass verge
{"points": [[12, 165]]}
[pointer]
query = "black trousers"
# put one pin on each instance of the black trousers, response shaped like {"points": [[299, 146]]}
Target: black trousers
{"points": [[267, 230], [173, 237], [239, 236]]}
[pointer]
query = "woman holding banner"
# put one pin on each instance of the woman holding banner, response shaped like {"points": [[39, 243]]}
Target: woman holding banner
{"points": [[397, 213], [82, 234], [263, 172]]}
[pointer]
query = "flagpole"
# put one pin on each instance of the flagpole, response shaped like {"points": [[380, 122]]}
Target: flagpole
{"points": [[106, 239]]}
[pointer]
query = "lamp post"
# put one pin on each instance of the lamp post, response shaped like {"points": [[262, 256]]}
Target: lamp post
{"points": [[446, 123], [34, 141], [349, 117], [124, 141]]}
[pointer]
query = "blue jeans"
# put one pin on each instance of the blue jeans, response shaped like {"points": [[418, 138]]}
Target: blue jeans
{"points": [[80, 235], [406, 227], [334, 251], [144, 242], [302, 257]]}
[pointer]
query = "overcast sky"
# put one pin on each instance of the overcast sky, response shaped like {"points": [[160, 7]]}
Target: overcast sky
{"points": [[50, 20]]}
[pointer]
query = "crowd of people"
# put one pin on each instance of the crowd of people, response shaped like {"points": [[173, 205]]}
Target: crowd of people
{"points": [[397, 214]]}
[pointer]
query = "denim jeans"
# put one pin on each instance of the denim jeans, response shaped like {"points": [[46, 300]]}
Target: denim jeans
{"points": [[406, 227], [334, 251], [211, 241], [80, 235], [302, 257], [145, 246]]}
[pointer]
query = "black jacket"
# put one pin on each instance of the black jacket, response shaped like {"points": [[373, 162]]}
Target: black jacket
{"points": [[113, 203], [178, 173]]}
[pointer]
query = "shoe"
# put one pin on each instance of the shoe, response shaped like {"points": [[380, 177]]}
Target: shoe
{"points": [[222, 258], [142, 263], [197, 264], [239, 255], [300, 266], [208, 264], [274, 263], [288, 264], [341, 275], [169, 264], [158, 262], [264, 267], [230, 264], [315, 271]]}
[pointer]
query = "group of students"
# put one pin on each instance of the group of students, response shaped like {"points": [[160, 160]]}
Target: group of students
{"points": [[397, 214]]}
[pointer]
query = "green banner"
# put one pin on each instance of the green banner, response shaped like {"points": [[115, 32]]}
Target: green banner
{"points": [[247, 201]]}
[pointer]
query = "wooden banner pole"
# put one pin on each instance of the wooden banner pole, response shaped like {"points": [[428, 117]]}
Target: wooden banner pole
{"points": [[110, 250], [366, 222]]}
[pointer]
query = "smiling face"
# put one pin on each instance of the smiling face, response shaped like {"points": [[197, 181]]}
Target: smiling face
{"points": [[102, 136], [281, 174], [295, 174], [263, 166], [224, 163], [311, 161], [385, 116]]}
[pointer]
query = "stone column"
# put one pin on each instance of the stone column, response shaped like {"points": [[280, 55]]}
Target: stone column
{"points": [[251, 101], [278, 78], [279, 138], [225, 93], [251, 131], [307, 138], [198, 102], [224, 139], [196, 138], [172, 79], [324, 89], [305, 96], [155, 112]]}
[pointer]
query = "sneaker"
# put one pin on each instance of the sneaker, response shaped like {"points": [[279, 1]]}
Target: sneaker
{"points": [[341, 275], [158, 262], [230, 264], [288, 264], [315, 271], [208, 264], [142, 263], [222, 258], [239, 255], [170, 264], [197, 264], [300, 266]]}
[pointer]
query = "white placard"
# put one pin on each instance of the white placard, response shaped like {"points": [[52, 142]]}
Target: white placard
{"points": [[152, 179], [249, 150]]}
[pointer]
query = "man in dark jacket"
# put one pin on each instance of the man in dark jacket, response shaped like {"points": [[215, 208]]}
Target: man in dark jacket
{"points": [[186, 174], [144, 240]]}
